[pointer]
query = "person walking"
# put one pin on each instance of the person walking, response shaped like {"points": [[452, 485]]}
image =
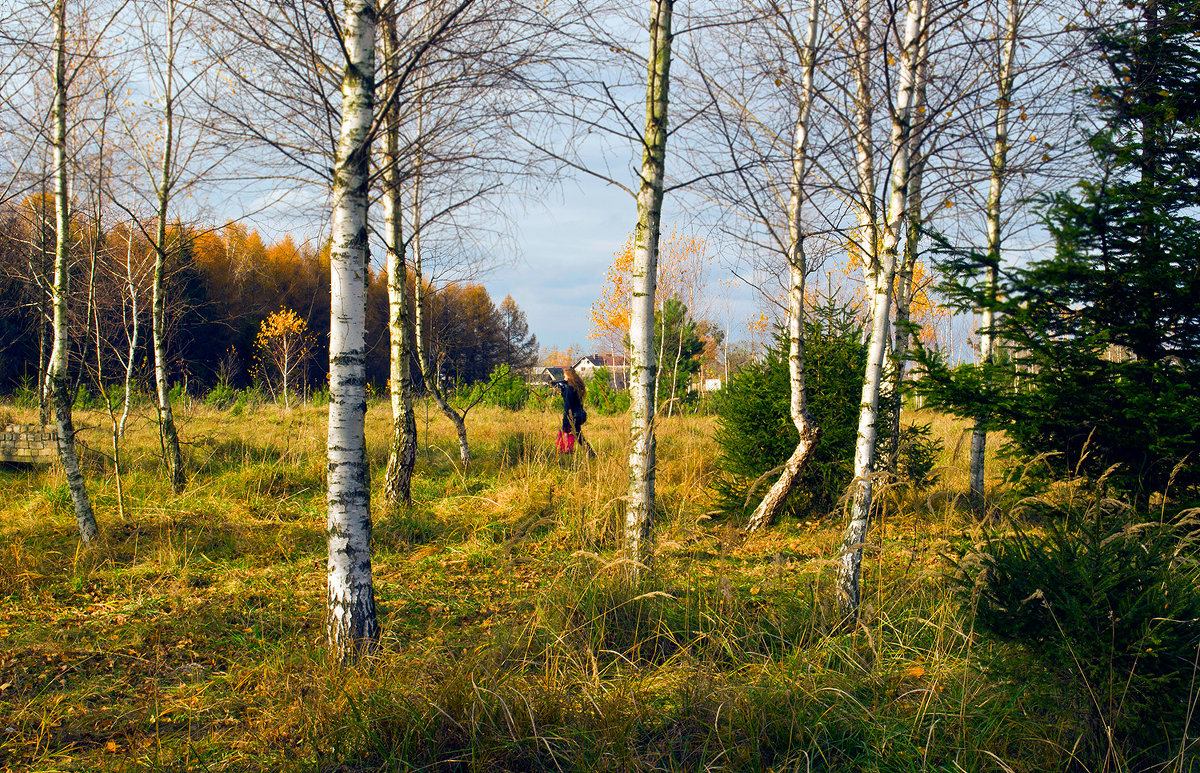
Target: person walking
{"points": [[574, 392]]}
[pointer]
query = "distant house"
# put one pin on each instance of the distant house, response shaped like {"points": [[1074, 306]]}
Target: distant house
{"points": [[551, 374], [616, 365]]}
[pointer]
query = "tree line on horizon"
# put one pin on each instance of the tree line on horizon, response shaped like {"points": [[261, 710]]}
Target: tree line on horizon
{"points": [[227, 281]]}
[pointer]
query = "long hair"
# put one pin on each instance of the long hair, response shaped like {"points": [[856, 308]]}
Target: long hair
{"points": [[572, 378]]}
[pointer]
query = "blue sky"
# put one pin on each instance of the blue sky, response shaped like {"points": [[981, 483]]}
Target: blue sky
{"points": [[565, 248]]}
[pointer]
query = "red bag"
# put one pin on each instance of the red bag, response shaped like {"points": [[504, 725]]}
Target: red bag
{"points": [[566, 442]]}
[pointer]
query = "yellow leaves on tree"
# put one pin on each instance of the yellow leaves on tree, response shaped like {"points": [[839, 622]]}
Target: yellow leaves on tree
{"points": [[681, 264], [281, 352], [932, 317], [556, 358]]}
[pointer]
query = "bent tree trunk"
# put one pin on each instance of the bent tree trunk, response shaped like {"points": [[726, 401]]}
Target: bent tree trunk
{"points": [[881, 274], [639, 515], [768, 509], [352, 626], [56, 372], [402, 452]]}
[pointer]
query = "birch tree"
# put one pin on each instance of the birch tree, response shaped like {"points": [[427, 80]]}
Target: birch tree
{"points": [[130, 317], [352, 626], [904, 277], [162, 385], [809, 431], [429, 369], [173, 150], [58, 386], [639, 514], [402, 451], [880, 269], [459, 108], [999, 172]]}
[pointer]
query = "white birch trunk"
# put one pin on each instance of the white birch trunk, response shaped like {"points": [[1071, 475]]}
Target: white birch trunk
{"points": [[402, 454], [56, 369], [864, 146], [45, 316], [133, 336], [662, 341], [639, 515], [768, 509], [352, 626], [995, 193], [98, 218], [166, 417], [904, 279], [675, 368], [881, 274]]}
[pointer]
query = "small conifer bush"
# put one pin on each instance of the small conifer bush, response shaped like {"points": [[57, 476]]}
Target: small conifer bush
{"points": [[755, 431]]}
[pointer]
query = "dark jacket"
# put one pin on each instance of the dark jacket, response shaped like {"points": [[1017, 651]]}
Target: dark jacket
{"points": [[573, 413]]}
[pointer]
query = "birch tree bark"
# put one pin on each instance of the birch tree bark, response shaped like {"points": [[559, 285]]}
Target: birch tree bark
{"points": [[56, 372], [134, 332], [806, 425], [402, 454], [881, 272], [39, 268], [864, 145], [904, 277], [166, 416], [999, 170], [352, 626], [639, 515]]}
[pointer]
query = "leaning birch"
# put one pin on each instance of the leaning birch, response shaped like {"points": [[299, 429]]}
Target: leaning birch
{"points": [[56, 372], [639, 515], [881, 272], [351, 624], [862, 136], [806, 425]]}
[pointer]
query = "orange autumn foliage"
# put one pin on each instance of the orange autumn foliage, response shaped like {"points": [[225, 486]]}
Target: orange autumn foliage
{"points": [[680, 270], [923, 309]]}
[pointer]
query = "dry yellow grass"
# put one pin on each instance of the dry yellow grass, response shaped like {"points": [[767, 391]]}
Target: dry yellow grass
{"points": [[191, 635]]}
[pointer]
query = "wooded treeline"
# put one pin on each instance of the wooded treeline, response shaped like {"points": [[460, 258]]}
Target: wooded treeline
{"points": [[226, 282]]}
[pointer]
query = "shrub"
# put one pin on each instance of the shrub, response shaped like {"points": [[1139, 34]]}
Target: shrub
{"points": [[84, 400], [251, 398], [755, 431], [1112, 610], [601, 397], [503, 389], [26, 395], [221, 396], [917, 455]]}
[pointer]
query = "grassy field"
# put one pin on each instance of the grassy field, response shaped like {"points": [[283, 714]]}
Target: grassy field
{"points": [[190, 637]]}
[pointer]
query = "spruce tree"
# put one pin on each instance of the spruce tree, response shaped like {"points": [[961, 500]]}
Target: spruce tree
{"points": [[1102, 337]]}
